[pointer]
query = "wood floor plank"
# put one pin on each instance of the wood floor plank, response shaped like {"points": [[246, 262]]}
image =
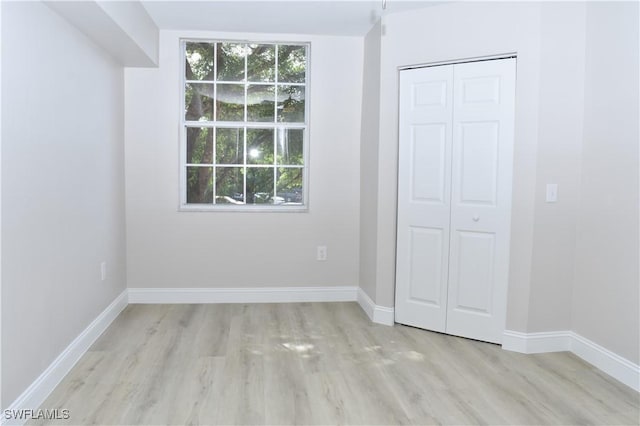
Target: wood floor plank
{"points": [[319, 364]]}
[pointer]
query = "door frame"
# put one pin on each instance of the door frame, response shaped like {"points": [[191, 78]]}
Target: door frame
{"points": [[509, 55]]}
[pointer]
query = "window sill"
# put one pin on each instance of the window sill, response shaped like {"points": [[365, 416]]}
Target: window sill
{"points": [[244, 209]]}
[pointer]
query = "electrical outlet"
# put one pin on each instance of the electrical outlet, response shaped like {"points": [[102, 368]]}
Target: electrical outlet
{"points": [[321, 254], [103, 271]]}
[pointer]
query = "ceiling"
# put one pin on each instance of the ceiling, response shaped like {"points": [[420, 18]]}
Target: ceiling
{"points": [[329, 17]]}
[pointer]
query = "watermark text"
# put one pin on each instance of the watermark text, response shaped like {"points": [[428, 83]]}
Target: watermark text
{"points": [[39, 414]]}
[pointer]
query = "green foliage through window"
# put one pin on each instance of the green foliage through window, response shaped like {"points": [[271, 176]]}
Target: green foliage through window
{"points": [[245, 123]]}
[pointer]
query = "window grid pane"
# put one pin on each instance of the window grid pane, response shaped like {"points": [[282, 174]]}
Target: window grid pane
{"points": [[245, 123]]}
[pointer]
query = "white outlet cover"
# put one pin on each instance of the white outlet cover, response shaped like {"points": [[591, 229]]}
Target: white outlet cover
{"points": [[321, 254]]}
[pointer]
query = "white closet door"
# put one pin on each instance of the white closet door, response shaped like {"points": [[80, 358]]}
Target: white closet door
{"points": [[454, 197], [424, 192], [483, 114]]}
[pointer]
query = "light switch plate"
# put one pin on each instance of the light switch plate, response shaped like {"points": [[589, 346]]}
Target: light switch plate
{"points": [[552, 192]]}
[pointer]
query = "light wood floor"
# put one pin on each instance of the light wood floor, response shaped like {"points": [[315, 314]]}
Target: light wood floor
{"points": [[321, 363]]}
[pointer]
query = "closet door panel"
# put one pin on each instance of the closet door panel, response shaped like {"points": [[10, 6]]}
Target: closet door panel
{"points": [[482, 158], [454, 197], [424, 197]]}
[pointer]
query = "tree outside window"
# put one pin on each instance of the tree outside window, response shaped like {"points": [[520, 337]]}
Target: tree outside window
{"points": [[244, 124]]}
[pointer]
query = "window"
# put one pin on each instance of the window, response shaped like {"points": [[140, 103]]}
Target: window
{"points": [[244, 126]]}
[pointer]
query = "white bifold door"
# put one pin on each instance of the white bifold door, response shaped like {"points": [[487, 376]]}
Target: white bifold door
{"points": [[454, 197]]}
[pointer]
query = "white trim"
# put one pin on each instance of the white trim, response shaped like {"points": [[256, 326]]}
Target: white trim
{"points": [[366, 303], [243, 295], [384, 315], [183, 206], [535, 343], [613, 364], [460, 61], [40, 389], [243, 208], [377, 314]]}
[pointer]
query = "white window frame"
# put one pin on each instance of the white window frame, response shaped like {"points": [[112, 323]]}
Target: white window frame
{"points": [[184, 124]]}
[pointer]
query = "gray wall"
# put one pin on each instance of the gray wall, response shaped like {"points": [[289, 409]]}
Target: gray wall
{"points": [[167, 248], [456, 31], [559, 147], [369, 137], [606, 287], [62, 189], [574, 263]]}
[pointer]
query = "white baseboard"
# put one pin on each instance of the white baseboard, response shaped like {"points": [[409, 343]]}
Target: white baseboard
{"points": [[243, 295], [377, 314], [535, 343], [39, 390], [613, 364]]}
